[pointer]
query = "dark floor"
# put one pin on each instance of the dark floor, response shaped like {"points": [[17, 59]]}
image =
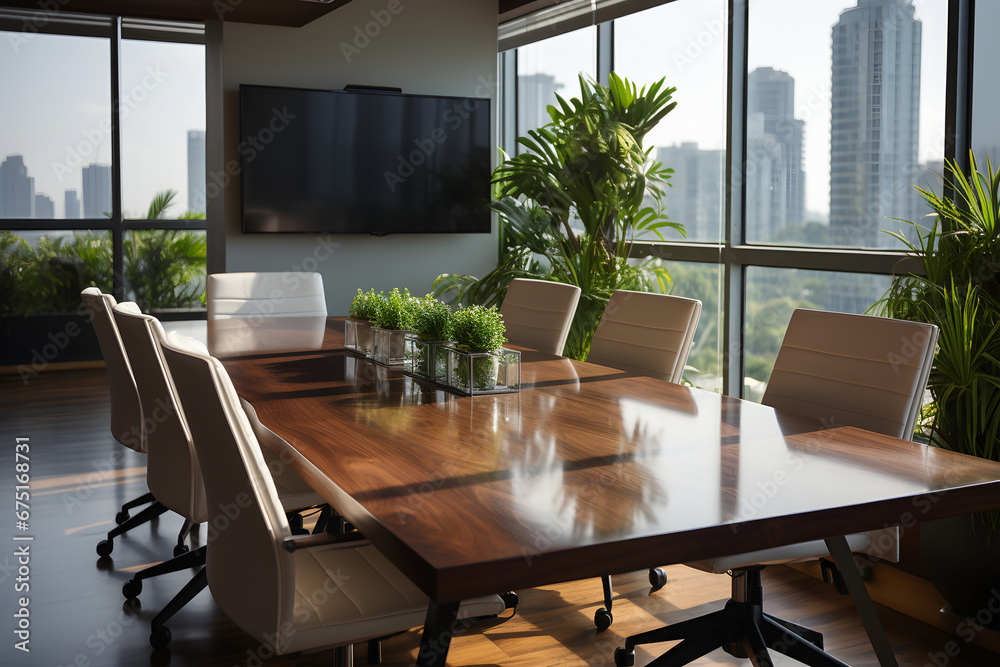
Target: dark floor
{"points": [[80, 475]]}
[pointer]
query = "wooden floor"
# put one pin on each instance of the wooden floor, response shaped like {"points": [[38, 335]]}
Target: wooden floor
{"points": [[80, 476]]}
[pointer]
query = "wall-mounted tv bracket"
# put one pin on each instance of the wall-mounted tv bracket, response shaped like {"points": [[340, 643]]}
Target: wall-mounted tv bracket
{"points": [[375, 89]]}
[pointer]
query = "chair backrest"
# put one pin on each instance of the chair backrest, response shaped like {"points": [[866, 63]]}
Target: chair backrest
{"points": [[126, 412], [256, 294], [646, 333], [853, 370], [173, 474], [251, 576], [538, 313]]}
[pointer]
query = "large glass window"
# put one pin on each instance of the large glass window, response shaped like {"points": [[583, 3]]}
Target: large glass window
{"points": [[163, 129], [844, 116], [55, 146], [549, 67], [685, 42], [698, 280], [985, 93]]}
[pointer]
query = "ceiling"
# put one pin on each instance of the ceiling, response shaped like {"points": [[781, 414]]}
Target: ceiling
{"points": [[293, 13]]}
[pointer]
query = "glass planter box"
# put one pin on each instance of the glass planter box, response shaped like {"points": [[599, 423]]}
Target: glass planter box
{"points": [[427, 360], [358, 336], [475, 373], [389, 344]]}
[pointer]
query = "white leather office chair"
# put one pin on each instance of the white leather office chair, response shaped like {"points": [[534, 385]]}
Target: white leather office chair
{"points": [[648, 334], [538, 313], [259, 294], [126, 412], [292, 594], [174, 475], [840, 370]]}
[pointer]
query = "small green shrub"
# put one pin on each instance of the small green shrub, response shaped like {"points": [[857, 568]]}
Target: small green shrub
{"points": [[397, 310], [478, 329], [366, 306], [432, 319]]}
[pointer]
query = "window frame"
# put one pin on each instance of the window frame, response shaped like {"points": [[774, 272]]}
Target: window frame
{"points": [[115, 29], [734, 254]]}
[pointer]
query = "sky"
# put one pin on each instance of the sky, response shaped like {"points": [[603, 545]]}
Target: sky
{"points": [[685, 41], [56, 108]]}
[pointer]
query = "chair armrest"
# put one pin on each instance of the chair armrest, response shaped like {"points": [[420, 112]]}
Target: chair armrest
{"points": [[295, 542]]}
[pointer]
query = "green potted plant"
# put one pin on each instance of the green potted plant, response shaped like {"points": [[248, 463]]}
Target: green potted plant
{"points": [[393, 321], [960, 293], [474, 360], [431, 334], [364, 310], [572, 202]]}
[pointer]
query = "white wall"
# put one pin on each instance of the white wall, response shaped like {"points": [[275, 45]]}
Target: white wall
{"points": [[443, 47]]}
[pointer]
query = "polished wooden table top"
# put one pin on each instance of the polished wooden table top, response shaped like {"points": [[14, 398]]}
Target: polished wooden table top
{"points": [[587, 471]]}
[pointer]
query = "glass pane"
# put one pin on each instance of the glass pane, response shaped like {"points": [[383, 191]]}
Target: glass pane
{"points": [[684, 41], [772, 295], [163, 130], [165, 269], [845, 114], [549, 67], [55, 149], [985, 93], [696, 280], [44, 271]]}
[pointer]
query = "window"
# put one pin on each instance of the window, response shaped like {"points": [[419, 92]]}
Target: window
{"points": [[67, 225], [985, 95], [825, 175], [845, 113], [550, 67]]}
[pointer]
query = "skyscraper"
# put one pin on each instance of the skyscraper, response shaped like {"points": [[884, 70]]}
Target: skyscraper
{"points": [[874, 120], [695, 196], [17, 189], [776, 194], [196, 170], [72, 205], [535, 92], [45, 208], [96, 190]]}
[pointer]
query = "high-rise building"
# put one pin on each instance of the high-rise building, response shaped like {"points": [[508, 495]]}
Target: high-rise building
{"points": [[776, 192], [874, 120], [45, 208], [17, 189], [196, 170], [535, 92], [695, 196], [71, 203], [96, 190]]}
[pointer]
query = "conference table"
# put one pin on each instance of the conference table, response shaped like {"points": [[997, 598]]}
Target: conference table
{"points": [[586, 471]]}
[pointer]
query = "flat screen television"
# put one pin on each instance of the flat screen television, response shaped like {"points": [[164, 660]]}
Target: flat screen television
{"points": [[363, 162]]}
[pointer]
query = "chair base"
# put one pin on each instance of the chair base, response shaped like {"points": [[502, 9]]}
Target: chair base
{"points": [[742, 629], [602, 617], [105, 547], [123, 516]]}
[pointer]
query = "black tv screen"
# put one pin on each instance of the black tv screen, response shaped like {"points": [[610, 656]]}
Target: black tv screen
{"points": [[363, 162]]}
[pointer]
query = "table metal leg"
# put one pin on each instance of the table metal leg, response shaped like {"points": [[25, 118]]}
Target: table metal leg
{"points": [[439, 627], [866, 609]]}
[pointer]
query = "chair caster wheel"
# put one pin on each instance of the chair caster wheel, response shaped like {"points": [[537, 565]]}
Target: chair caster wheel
{"points": [[121, 517], [159, 638], [104, 548], [180, 549], [624, 658], [603, 619], [657, 578], [510, 600], [132, 589]]}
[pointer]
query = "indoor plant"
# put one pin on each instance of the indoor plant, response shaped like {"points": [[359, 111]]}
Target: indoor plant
{"points": [[364, 309], [572, 202], [960, 293], [474, 359], [431, 333], [392, 322]]}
